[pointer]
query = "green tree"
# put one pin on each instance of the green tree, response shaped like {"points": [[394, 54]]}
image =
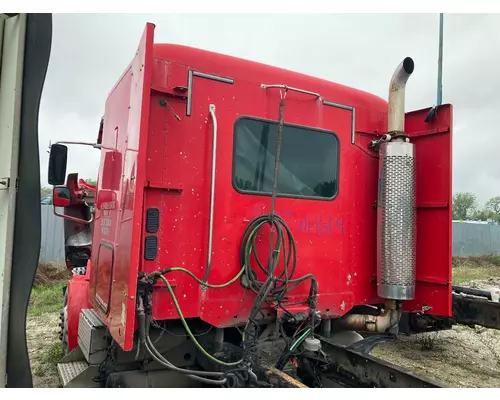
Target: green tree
{"points": [[482, 215], [464, 205], [493, 208], [493, 205]]}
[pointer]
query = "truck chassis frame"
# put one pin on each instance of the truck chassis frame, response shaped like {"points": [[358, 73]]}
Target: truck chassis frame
{"points": [[347, 366]]}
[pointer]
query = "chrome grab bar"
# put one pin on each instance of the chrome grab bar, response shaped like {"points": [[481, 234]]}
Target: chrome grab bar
{"points": [[211, 109]]}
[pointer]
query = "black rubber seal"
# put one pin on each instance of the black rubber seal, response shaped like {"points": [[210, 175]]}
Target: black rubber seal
{"points": [[28, 213]]}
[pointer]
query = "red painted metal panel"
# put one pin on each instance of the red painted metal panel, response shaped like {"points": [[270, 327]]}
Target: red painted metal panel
{"points": [[122, 177], [164, 158], [105, 258], [78, 288], [433, 147], [335, 238]]}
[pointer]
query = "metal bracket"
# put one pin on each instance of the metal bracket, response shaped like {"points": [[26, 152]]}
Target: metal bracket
{"points": [[94, 145], [4, 183], [353, 116], [292, 89], [191, 75]]}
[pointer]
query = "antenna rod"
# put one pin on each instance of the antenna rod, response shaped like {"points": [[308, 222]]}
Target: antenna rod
{"points": [[432, 111], [440, 62]]}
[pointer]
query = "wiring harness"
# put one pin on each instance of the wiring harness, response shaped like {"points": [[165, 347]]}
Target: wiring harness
{"points": [[272, 291], [274, 288]]}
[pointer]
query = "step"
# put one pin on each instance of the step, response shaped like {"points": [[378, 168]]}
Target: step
{"points": [[70, 370]]}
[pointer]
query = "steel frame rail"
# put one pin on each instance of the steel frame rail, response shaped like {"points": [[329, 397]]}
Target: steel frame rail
{"points": [[353, 369], [469, 310]]}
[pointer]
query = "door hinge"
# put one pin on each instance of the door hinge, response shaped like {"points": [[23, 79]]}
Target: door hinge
{"points": [[4, 183]]}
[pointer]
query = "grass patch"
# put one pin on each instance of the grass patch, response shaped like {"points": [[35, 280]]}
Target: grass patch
{"points": [[46, 299], [491, 260], [462, 275], [50, 273], [49, 358], [475, 268]]}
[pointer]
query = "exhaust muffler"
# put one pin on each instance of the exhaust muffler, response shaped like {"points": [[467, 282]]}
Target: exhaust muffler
{"points": [[396, 212]]}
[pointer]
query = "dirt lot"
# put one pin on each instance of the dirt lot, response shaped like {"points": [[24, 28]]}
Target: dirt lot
{"points": [[461, 357], [44, 349], [42, 326]]}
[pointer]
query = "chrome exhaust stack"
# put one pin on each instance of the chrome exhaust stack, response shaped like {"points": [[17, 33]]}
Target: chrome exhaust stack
{"points": [[396, 211], [396, 114]]}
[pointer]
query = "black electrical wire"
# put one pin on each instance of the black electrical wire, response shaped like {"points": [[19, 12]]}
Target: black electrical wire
{"points": [[189, 373], [235, 377], [232, 378], [248, 248], [290, 349], [156, 355], [273, 288]]}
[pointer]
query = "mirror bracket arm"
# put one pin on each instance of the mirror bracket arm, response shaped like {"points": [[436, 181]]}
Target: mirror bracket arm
{"points": [[81, 221]]}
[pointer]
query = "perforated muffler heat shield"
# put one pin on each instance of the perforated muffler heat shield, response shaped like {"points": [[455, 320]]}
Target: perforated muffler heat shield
{"points": [[396, 219]]}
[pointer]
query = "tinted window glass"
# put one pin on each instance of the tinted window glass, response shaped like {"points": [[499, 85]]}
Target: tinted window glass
{"points": [[308, 160]]}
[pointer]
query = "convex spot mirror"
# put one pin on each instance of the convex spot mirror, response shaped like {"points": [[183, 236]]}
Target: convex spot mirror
{"points": [[61, 196], [57, 164]]}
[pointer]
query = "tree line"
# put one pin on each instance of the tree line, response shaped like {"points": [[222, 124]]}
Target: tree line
{"points": [[466, 207]]}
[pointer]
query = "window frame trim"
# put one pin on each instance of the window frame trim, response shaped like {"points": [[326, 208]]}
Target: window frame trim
{"points": [[287, 196]]}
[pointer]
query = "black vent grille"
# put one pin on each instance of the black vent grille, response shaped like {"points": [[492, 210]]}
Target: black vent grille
{"points": [[150, 247], [152, 220]]}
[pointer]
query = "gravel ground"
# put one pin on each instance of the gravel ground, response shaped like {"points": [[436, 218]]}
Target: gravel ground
{"points": [[44, 349], [461, 357]]}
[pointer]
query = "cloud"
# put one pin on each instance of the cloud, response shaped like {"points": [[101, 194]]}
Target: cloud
{"points": [[90, 52]]}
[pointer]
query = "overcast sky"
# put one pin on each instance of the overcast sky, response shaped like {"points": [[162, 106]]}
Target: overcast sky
{"points": [[90, 52]]}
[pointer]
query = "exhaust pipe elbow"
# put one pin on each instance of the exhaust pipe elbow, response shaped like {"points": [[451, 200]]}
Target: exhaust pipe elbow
{"points": [[385, 321], [370, 323], [396, 114]]}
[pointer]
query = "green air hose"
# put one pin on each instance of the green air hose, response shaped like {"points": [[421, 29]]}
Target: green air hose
{"points": [[283, 360], [219, 286], [283, 280], [300, 339], [248, 249], [186, 326], [246, 263], [275, 286]]}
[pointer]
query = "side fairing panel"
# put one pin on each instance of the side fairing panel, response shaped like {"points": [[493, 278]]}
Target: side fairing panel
{"points": [[116, 242], [433, 145]]}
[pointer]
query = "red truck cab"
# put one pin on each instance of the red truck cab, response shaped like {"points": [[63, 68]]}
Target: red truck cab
{"points": [[188, 149]]}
